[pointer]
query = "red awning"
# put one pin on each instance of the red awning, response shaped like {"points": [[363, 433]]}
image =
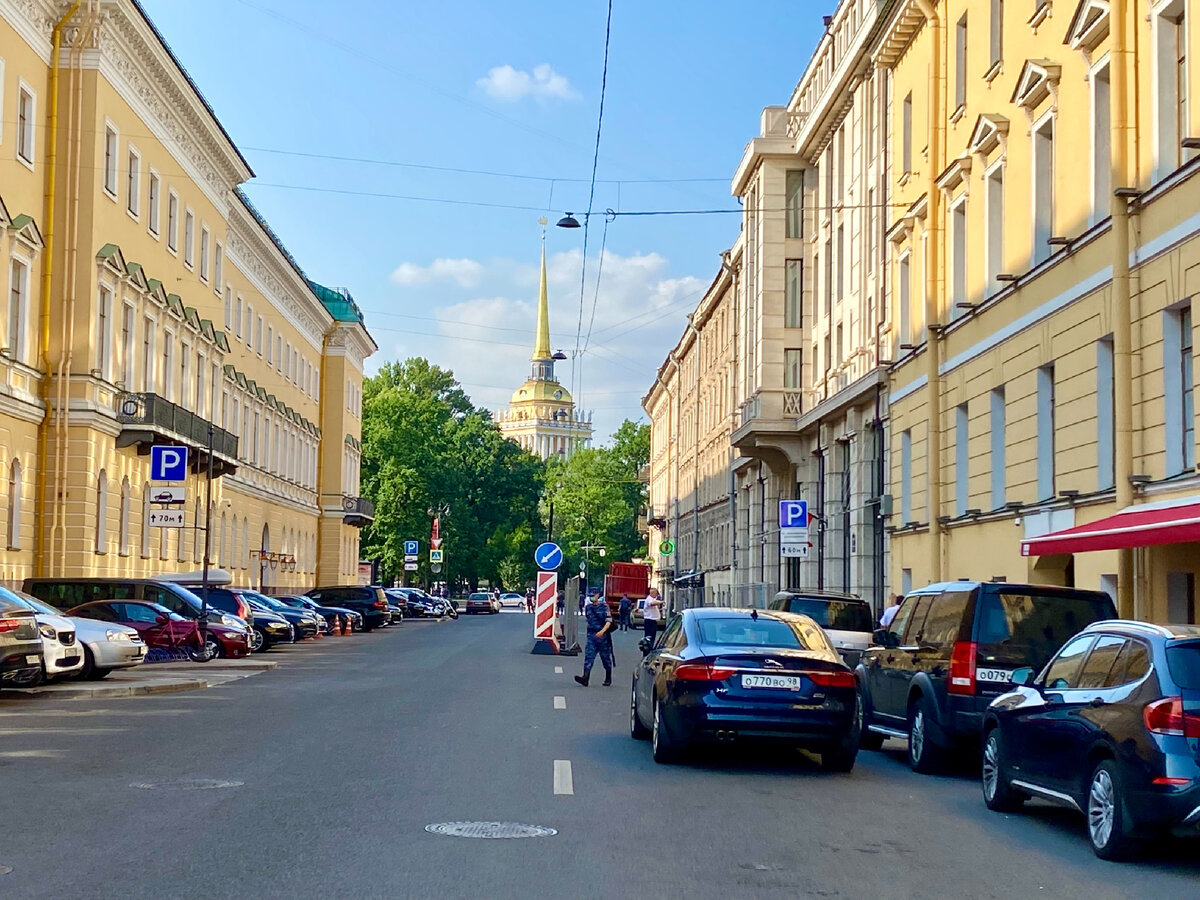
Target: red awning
{"points": [[1133, 527]]}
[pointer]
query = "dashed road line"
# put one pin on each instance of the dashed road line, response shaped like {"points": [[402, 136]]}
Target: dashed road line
{"points": [[560, 702], [563, 782], [558, 670]]}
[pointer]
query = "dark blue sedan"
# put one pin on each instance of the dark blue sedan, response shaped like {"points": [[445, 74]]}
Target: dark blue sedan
{"points": [[740, 675], [1110, 728]]}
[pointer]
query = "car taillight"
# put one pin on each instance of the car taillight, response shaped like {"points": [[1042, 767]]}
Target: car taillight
{"points": [[9, 624], [832, 679], [381, 604], [702, 672], [962, 668], [1166, 716]]}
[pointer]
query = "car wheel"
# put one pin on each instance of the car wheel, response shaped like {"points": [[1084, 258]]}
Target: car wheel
{"points": [[257, 640], [637, 730], [924, 755], [663, 748], [89, 664], [840, 757], [997, 792], [867, 739], [1107, 821], [212, 646]]}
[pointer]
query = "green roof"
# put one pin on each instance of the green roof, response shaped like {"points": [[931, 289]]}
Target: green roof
{"points": [[338, 301]]}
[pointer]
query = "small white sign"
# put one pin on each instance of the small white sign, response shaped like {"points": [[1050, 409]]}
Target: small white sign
{"points": [[410, 567], [166, 518], [166, 494], [410, 557]]}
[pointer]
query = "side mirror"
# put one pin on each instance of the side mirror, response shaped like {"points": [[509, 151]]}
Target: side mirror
{"points": [[1023, 675], [645, 646], [162, 619]]}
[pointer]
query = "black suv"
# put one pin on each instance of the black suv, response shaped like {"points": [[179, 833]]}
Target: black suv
{"points": [[952, 649], [20, 646], [368, 602]]}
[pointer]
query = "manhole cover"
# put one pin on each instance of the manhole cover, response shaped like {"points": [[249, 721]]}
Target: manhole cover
{"points": [[186, 784], [490, 830]]}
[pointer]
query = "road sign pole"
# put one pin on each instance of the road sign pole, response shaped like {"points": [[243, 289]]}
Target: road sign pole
{"points": [[207, 539]]}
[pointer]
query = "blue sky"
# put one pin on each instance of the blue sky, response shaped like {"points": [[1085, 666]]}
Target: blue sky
{"points": [[509, 88]]}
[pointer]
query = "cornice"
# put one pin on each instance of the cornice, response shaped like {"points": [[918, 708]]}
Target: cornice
{"points": [[350, 340], [34, 21], [256, 256]]}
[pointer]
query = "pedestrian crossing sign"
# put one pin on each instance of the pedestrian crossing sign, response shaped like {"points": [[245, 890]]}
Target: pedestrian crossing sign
{"points": [[435, 556]]}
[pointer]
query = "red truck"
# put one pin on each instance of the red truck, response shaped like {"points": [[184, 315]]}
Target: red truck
{"points": [[629, 578]]}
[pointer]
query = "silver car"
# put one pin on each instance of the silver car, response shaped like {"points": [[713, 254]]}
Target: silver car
{"points": [[106, 645]]}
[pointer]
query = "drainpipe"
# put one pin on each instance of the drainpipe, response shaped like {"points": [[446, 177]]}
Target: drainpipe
{"points": [[1122, 316], [696, 469], [321, 447], [932, 329], [673, 495], [725, 257], [49, 227]]}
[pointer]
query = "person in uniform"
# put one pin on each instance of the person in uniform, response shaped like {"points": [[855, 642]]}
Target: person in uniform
{"points": [[599, 639]]}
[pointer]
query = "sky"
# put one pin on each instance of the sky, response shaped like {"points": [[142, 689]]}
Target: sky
{"points": [[407, 150]]}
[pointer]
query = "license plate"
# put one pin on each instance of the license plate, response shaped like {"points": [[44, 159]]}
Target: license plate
{"points": [[777, 682], [995, 676], [32, 659]]}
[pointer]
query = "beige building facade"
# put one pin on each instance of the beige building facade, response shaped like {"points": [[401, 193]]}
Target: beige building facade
{"points": [[149, 303]]}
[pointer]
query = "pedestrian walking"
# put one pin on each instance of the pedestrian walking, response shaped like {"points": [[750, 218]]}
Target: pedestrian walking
{"points": [[890, 613], [529, 600], [623, 610], [562, 600], [653, 614], [599, 640]]}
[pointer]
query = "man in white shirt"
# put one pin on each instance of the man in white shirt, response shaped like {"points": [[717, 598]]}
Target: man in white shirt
{"points": [[885, 621], [652, 614]]}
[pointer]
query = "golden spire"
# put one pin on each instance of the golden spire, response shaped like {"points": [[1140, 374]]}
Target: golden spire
{"points": [[541, 348]]}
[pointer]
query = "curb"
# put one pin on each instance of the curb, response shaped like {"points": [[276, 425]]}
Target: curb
{"points": [[229, 665], [53, 692]]}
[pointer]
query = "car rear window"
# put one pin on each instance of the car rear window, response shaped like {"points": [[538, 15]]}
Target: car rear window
{"points": [[743, 631], [478, 597], [1036, 625], [1184, 662], [840, 615], [944, 620]]}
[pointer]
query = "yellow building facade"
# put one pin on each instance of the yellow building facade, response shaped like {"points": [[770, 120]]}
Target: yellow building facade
{"points": [[149, 303]]}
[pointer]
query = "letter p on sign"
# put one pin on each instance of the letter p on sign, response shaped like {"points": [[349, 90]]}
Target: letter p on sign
{"points": [[793, 514], [168, 463]]}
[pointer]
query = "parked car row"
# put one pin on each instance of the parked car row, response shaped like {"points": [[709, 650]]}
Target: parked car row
{"points": [[1058, 698]]}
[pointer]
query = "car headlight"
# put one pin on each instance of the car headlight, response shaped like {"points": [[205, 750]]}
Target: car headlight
{"points": [[48, 631], [232, 622], [118, 636]]}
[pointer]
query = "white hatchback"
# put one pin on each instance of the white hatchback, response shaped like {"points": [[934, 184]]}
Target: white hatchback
{"points": [[61, 648]]}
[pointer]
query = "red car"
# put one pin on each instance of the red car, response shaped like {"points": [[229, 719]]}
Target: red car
{"points": [[159, 627]]}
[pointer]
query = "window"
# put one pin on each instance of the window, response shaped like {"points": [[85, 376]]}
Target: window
{"points": [[168, 371], [237, 319], [1045, 432], [1178, 387], [944, 620], [204, 241], [270, 343], [1064, 671], [1171, 95], [27, 125], [996, 36], [960, 62], [172, 222], [795, 203], [127, 330], [906, 476], [189, 239], [905, 283], [1098, 670], [828, 355], [906, 131], [829, 277], [123, 524], [1043, 189], [1101, 143], [958, 250], [793, 361], [102, 512], [841, 262], [995, 227], [103, 332], [15, 488], [219, 271], [996, 426], [278, 352], [111, 140], [152, 203], [1105, 414], [841, 345], [962, 456], [228, 303], [793, 312], [185, 368], [18, 304], [258, 335], [133, 184]]}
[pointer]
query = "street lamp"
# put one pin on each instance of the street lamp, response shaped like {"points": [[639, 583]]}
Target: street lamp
{"points": [[568, 221]]}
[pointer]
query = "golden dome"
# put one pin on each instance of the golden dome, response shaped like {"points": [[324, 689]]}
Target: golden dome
{"points": [[533, 391]]}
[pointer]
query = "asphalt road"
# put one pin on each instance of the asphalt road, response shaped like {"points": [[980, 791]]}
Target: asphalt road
{"points": [[350, 749]]}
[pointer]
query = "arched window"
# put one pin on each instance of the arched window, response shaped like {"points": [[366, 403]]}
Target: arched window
{"points": [[246, 542], [102, 512], [123, 544], [265, 575], [223, 559], [146, 520], [14, 505]]}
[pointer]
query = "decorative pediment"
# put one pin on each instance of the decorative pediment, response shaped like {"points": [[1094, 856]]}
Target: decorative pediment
{"points": [[242, 381], [230, 372], [192, 318], [157, 292], [206, 329], [5, 219], [955, 173], [175, 305], [1089, 25], [109, 257], [25, 230], [262, 393], [989, 132], [137, 276], [1038, 78], [1041, 12], [222, 340]]}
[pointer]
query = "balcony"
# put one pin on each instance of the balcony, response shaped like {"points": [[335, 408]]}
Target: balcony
{"points": [[148, 419], [358, 511]]}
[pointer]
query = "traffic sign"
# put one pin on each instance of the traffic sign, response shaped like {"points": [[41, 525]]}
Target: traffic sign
{"points": [[545, 607], [168, 495], [436, 568], [582, 566], [793, 529], [412, 548], [410, 567], [548, 555], [667, 547], [168, 463], [436, 543], [166, 518], [435, 556], [410, 557]]}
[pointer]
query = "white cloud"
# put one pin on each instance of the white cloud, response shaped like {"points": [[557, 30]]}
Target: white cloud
{"points": [[510, 85], [464, 271]]}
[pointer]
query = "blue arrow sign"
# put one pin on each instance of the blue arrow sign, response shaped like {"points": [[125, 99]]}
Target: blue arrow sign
{"points": [[548, 556], [411, 548]]}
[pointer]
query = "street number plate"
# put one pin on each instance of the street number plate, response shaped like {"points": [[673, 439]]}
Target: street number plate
{"points": [[778, 682], [993, 675]]}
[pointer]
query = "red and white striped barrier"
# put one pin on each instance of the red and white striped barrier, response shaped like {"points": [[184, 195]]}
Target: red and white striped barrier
{"points": [[545, 613]]}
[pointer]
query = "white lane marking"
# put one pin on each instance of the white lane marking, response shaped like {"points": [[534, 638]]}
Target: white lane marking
{"points": [[560, 702], [558, 670], [563, 782]]}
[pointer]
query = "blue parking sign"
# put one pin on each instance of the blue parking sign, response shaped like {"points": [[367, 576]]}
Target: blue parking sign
{"points": [[411, 548], [793, 513], [168, 463]]}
